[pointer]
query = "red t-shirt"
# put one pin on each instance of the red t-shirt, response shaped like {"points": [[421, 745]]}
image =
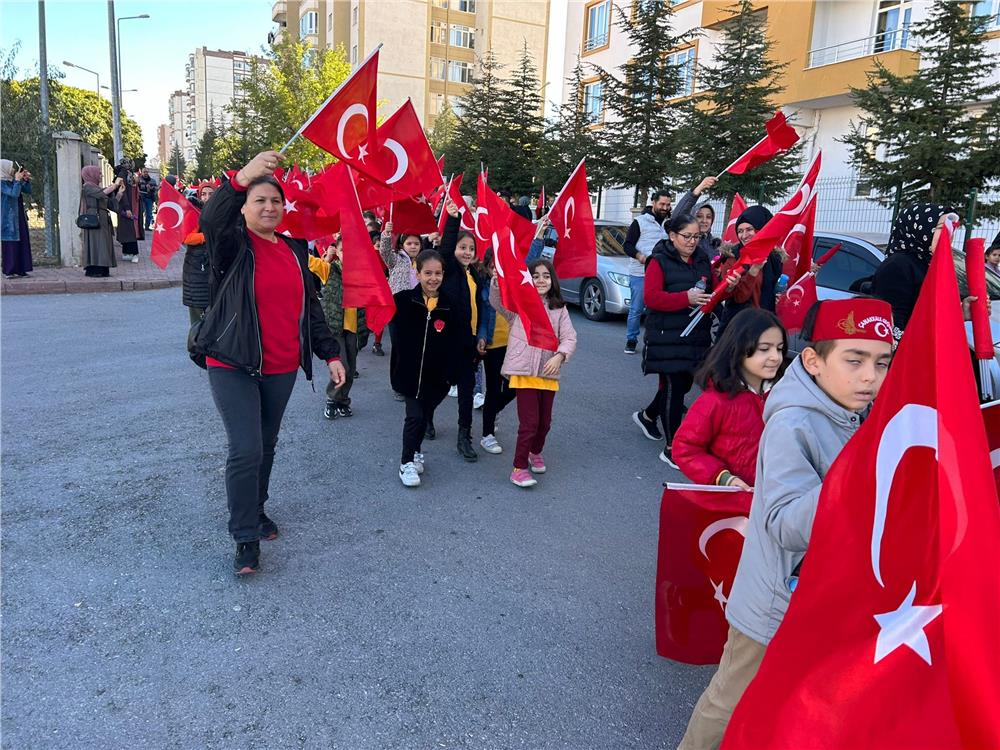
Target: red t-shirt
{"points": [[277, 286]]}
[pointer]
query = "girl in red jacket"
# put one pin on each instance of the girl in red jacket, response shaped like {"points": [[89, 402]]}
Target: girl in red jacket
{"points": [[717, 442]]}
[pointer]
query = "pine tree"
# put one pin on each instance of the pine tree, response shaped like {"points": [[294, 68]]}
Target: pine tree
{"points": [[514, 165], [176, 165], [919, 133], [206, 154], [442, 134], [571, 137], [640, 137], [729, 117], [481, 131]]}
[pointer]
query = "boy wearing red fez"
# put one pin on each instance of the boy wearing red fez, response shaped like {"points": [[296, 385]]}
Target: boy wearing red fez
{"points": [[810, 415]]}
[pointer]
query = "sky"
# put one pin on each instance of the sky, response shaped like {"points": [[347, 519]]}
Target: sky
{"points": [[153, 51]]}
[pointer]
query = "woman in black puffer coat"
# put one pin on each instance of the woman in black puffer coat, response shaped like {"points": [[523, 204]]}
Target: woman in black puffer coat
{"points": [[197, 270], [673, 271]]}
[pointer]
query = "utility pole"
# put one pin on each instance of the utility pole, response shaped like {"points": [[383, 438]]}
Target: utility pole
{"points": [[51, 249], [116, 104]]}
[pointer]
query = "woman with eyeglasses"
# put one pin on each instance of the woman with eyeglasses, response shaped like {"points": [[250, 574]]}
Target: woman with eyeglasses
{"points": [[678, 275]]}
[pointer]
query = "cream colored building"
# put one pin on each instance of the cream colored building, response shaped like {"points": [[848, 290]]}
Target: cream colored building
{"points": [[430, 47]]}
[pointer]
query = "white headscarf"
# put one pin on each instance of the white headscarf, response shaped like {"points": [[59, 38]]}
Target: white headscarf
{"points": [[6, 169]]}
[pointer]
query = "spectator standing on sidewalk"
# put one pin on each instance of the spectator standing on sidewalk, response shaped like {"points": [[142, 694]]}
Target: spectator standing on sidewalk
{"points": [[127, 200], [646, 230], [147, 194], [98, 244], [15, 182]]}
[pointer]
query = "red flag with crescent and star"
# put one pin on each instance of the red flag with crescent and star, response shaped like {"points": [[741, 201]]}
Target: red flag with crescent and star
{"points": [[573, 220], [454, 191], [517, 290], [500, 212], [792, 306], [739, 206], [701, 539], [304, 215], [890, 639], [778, 138], [170, 229], [345, 124], [798, 243]]}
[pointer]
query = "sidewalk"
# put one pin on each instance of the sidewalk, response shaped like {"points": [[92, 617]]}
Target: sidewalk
{"points": [[127, 277]]}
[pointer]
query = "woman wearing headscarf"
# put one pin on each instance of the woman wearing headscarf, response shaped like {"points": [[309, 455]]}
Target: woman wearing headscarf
{"points": [[98, 244], [129, 229], [16, 244], [756, 287], [195, 274], [703, 214], [911, 244]]}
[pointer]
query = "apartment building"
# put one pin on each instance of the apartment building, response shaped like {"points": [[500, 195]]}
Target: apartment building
{"points": [[430, 46], [828, 46], [163, 145], [180, 124]]}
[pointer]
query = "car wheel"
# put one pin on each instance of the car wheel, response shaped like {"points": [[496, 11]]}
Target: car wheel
{"points": [[592, 300]]}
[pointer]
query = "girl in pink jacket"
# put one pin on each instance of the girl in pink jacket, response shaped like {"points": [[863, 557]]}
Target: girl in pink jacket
{"points": [[534, 372]]}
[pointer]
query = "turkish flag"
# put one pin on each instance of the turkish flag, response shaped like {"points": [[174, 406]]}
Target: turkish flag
{"points": [[739, 206], [500, 212], [169, 231], [779, 138], [365, 284], [701, 539], [304, 216], [345, 124], [991, 416], [412, 216], [517, 290], [798, 243], [793, 305], [454, 191], [540, 208], [890, 640], [573, 220], [404, 161]]}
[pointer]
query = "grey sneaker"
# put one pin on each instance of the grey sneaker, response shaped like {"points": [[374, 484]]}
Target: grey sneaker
{"points": [[418, 462], [491, 445], [408, 475]]}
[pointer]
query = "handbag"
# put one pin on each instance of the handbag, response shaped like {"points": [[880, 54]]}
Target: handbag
{"points": [[85, 220]]}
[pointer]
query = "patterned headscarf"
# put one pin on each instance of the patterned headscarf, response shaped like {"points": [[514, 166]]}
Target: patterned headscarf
{"points": [[913, 229], [91, 174]]}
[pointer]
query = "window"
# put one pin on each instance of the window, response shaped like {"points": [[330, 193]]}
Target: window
{"points": [[329, 22], [439, 32], [598, 25], [892, 25], [466, 6], [354, 55], [309, 24], [988, 9], [463, 36], [848, 267], [460, 71], [440, 3], [354, 16], [593, 101], [438, 69], [684, 62]]}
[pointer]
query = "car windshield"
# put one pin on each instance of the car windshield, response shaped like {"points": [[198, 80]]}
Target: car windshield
{"points": [[611, 240]]}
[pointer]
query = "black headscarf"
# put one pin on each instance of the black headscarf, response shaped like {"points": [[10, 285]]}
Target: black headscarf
{"points": [[755, 216], [913, 229]]}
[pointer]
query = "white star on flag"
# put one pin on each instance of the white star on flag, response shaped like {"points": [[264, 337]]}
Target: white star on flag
{"points": [[719, 596], [526, 278], [362, 152], [290, 206], [566, 234], [160, 228], [905, 627]]}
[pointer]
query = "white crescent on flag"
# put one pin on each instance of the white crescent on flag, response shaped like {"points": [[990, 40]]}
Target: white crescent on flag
{"points": [[177, 208], [402, 160], [736, 523], [475, 226], [352, 111], [567, 218]]}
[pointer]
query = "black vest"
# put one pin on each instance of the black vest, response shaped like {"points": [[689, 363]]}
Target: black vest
{"points": [[666, 351]]}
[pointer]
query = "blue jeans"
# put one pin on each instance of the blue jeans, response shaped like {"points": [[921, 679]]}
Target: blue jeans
{"points": [[636, 308], [147, 211]]}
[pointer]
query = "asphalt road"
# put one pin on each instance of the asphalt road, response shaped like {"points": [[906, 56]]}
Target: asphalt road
{"points": [[467, 613]]}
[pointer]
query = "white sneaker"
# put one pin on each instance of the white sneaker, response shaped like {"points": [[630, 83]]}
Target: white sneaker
{"points": [[490, 444], [418, 461], [135, 258], [478, 400], [408, 475], [453, 391]]}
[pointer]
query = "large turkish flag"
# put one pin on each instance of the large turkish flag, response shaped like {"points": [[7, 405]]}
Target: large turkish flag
{"points": [[890, 640], [573, 220]]}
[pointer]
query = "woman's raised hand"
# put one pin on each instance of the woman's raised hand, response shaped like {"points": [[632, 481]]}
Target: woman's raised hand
{"points": [[262, 165], [451, 207]]}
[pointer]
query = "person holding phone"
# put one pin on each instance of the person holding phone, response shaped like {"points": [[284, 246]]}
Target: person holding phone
{"points": [[15, 181]]}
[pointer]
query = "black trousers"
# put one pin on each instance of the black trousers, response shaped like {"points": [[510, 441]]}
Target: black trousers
{"points": [[466, 390], [348, 343], [498, 390], [251, 411], [419, 412], [668, 403]]}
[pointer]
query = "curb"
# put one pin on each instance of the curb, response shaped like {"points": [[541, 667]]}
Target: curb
{"points": [[83, 286]]}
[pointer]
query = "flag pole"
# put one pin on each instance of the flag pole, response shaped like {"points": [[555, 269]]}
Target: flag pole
{"points": [[329, 98], [719, 176]]}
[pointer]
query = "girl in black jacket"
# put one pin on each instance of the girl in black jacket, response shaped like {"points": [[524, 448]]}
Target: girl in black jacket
{"points": [[264, 322], [422, 361]]}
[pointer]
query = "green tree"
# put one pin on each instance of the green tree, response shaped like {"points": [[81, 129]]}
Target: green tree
{"points": [[571, 136], [280, 94], [481, 131], [515, 164], [177, 164], [207, 152], [728, 116], [640, 141], [442, 133], [920, 133]]}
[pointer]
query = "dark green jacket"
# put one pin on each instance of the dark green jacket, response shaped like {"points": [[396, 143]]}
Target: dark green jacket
{"points": [[333, 302]]}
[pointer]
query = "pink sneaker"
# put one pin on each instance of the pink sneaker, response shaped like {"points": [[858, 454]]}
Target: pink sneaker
{"points": [[537, 463], [522, 478]]}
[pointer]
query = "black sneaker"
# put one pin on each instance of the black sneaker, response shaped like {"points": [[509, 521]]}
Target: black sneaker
{"points": [[667, 457], [647, 425], [268, 528], [343, 410], [330, 410], [247, 558], [378, 351], [630, 346], [430, 433]]}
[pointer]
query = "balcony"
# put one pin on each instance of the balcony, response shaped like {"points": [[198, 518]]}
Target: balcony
{"points": [[887, 41], [279, 12]]}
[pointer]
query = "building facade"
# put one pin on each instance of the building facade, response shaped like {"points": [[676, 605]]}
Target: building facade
{"points": [[163, 144], [180, 124], [431, 46], [828, 47]]}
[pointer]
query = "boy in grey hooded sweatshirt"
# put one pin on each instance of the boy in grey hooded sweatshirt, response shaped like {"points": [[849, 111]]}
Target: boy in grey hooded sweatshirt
{"points": [[809, 416]]}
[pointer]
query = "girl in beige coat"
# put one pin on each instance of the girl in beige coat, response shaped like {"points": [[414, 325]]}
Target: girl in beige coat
{"points": [[533, 372]]}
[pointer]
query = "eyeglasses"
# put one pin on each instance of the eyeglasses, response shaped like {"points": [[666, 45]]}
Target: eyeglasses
{"points": [[689, 237]]}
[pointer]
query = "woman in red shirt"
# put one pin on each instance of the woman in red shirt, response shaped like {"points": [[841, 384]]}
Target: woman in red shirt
{"points": [[263, 324]]}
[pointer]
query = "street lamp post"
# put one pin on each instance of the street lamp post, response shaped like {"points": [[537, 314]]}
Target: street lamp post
{"points": [[116, 85], [68, 64], [123, 18]]}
